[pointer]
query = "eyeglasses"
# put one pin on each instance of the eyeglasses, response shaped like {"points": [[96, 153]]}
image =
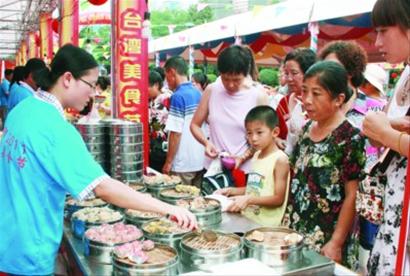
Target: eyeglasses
{"points": [[92, 86], [292, 74]]}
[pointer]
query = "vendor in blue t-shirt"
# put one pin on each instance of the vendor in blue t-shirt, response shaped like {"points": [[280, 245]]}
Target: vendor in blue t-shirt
{"points": [[42, 157]]}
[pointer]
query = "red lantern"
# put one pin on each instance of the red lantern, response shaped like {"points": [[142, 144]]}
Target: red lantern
{"points": [[54, 25], [97, 2]]}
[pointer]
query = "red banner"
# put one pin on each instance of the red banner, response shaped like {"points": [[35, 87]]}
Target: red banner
{"points": [[46, 37], [69, 22], [130, 65]]}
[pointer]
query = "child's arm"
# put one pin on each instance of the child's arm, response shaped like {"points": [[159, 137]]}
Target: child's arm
{"points": [[280, 174], [231, 191]]}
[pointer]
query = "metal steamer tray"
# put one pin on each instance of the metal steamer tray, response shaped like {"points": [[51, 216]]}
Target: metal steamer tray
{"points": [[209, 216], [171, 239], [154, 266], [172, 199], [139, 220], [70, 209], [155, 189], [199, 254], [78, 227], [273, 251], [100, 252]]}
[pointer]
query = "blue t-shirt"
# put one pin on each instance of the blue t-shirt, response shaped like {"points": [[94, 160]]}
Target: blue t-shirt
{"points": [[42, 157], [17, 94], [184, 103], [4, 90]]}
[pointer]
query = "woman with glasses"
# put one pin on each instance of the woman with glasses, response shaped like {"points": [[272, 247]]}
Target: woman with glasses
{"points": [[42, 157], [296, 63]]}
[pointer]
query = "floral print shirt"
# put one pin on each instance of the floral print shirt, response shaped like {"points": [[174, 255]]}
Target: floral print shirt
{"points": [[321, 170], [158, 115]]}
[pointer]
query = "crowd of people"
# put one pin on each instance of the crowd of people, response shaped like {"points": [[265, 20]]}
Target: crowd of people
{"points": [[313, 156], [325, 154]]}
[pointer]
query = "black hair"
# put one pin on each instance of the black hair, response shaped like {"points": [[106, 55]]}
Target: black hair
{"points": [[160, 71], [305, 57], [155, 78], [177, 63], [103, 82], [234, 60], [263, 113], [18, 75], [332, 76], [391, 13], [201, 78], [87, 109], [68, 58], [8, 72], [32, 66], [253, 68], [351, 55]]}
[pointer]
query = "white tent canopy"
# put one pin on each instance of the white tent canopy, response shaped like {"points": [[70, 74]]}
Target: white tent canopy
{"points": [[281, 15]]}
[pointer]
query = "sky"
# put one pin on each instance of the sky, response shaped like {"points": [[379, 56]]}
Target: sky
{"points": [[160, 4]]}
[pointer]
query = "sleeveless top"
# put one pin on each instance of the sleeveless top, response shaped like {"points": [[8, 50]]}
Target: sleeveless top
{"points": [[395, 110], [226, 118], [261, 182]]}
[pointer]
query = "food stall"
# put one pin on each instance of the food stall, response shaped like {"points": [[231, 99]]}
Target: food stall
{"points": [[101, 239]]}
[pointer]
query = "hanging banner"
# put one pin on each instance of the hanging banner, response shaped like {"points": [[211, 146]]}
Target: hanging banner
{"points": [[130, 64], [32, 45], [46, 37], [69, 22]]}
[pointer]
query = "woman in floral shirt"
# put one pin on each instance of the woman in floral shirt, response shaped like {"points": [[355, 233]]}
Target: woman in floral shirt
{"points": [[158, 114], [327, 162]]}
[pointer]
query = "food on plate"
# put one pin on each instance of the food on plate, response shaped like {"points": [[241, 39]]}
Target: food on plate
{"points": [[85, 203], [198, 203], [163, 226], [142, 214], [274, 237], [256, 236], [97, 215], [114, 233], [143, 252]]}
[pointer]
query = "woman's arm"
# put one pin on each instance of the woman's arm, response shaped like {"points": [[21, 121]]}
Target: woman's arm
{"points": [[199, 118], [333, 248], [121, 195], [377, 127]]}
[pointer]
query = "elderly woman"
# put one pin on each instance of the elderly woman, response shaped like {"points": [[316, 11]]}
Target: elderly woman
{"points": [[392, 21], [327, 163], [224, 106], [296, 63]]}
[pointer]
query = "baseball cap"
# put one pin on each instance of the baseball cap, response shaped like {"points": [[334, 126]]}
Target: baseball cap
{"points": [[377, 76]]}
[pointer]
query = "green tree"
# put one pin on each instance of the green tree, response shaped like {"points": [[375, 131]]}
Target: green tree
{"points": [[160, 20], [269, 77]]}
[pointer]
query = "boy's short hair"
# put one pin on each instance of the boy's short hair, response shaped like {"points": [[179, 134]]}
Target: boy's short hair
{"points": [[177, 63], [265, 114]]}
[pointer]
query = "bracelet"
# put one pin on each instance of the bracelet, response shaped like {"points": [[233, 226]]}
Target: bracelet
{"points": [[399, 142]]}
